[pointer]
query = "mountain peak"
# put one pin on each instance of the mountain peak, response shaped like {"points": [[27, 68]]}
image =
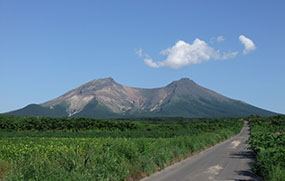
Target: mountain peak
{"points": [[107, 79], [182, 82], [185, 79], [102, 82]]}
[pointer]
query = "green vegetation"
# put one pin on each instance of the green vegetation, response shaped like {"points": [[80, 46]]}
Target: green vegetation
{"points": [[268, 143], [40, 148]]}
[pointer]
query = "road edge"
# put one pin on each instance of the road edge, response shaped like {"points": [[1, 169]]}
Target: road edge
{"points": [[193, 155]]}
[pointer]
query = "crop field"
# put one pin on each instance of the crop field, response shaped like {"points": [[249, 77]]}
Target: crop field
{"points": [[38, 148], [268, 143]]}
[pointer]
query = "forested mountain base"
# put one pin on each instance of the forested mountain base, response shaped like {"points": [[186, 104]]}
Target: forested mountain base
{"points": [[87, 149], [268, 143]]}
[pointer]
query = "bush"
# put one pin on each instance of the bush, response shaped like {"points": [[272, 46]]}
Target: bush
{"points": [[268, 143]]}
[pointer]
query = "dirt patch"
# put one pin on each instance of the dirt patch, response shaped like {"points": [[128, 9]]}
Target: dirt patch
{"points": [[4, 167]]}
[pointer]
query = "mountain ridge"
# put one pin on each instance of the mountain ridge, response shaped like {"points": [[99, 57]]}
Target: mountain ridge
{"points": [[104, 98]]}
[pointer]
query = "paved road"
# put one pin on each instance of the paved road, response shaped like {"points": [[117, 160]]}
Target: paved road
{"points": [[230, 160]]}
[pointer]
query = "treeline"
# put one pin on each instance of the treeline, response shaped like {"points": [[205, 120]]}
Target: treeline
{"points": [[11, 126], [9, 122], [21, 123]]}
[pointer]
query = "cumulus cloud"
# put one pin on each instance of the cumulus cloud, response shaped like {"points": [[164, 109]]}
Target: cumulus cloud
{"points": [[150, 63], [248, 44], [183, 54]]}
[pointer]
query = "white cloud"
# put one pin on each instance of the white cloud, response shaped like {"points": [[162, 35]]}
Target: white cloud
{"points": [[224, 55], [248, 44], [183, 54], [150, 63], [220, 39], [139, 52], [217, 39]]}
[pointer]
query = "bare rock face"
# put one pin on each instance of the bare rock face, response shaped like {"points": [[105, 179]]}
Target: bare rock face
{"points": [[107, 98], [116, 97]]}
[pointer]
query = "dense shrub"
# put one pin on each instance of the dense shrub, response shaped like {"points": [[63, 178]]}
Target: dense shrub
{"points": [[268, 143]]}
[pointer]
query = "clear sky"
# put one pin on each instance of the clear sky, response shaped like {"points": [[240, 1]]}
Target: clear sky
{"points": [[235, 48]]}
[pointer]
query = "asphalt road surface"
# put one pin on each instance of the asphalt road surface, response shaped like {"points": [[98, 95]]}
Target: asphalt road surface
{"points": [[230, 160]]}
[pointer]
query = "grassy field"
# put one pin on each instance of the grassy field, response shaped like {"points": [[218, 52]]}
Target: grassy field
{"points": [[34, 148], [268, 142]]}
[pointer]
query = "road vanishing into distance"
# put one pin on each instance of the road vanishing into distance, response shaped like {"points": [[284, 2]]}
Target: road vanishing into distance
{"points": [[229, 160]]}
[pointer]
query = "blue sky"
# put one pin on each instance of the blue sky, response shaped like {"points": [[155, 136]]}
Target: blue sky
{"points": [[50, 47]]}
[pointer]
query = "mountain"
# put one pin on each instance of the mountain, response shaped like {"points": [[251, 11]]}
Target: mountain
{"points": [[105, 98]]}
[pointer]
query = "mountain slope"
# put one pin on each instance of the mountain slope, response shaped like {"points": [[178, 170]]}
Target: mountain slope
{"points": [[105, 98]]}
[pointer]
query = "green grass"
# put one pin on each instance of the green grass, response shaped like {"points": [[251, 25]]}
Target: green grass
{"points": [[114, 151]]}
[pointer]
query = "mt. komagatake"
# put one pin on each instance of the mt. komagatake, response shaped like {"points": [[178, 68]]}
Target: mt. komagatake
{"points": [[105, 98]]}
